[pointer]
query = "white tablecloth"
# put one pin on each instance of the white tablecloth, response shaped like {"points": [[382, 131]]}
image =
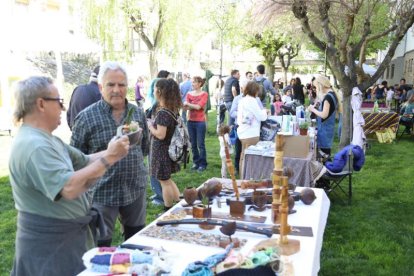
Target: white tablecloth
{"points": [[305, 262]]}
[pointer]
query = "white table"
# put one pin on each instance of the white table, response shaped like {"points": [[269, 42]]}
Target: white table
{"points": [[305, 262]]}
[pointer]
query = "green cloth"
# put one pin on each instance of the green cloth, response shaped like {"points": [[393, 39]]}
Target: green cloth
{"points": [[206, 88], [40, 165]]}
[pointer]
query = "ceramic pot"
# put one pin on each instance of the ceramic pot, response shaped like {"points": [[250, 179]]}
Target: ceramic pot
{"points": [[303, 131], [190, 195], [259, 199]]}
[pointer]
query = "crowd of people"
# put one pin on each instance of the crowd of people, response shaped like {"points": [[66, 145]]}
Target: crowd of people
{"points": [[70, 196]]}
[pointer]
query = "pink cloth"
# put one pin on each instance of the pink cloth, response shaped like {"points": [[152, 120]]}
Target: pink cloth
{"points": [[277, 106], [120, 258]]}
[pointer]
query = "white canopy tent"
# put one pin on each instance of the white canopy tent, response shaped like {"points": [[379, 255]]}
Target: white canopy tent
{"points": [[368, 69]]}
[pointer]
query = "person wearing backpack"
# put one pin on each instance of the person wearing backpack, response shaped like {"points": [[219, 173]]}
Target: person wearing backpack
{"points": [[265, 85], [167, 94], [196, 103]]}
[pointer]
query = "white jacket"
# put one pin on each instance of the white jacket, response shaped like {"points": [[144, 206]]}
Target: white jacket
{"points": [[249, 116]]}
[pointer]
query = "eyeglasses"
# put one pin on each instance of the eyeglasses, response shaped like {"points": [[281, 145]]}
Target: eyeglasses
{"points": [[60, 100]]}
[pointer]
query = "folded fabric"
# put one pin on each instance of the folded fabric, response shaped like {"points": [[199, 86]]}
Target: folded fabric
{"points": [[205, 268]]}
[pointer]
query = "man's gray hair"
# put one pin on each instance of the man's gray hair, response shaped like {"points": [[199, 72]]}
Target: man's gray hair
{"points": [[26, 93], [113, 66]]}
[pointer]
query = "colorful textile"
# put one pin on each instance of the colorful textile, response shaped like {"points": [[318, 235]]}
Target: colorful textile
{"points": [[205, 268], [119, 260], [378, 121]]}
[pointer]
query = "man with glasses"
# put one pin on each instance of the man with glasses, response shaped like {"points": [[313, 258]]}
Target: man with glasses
{"points": [[49, 179], [122, 190]]}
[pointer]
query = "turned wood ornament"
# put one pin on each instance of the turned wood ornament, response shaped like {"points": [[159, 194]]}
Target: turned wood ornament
{"points": [[237, 204]]}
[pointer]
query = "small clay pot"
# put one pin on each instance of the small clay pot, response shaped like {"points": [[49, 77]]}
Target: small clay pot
{"points": [[303, 131], [259, 199], [291, 204], [199, 211], [190, 195], [212, 188]]}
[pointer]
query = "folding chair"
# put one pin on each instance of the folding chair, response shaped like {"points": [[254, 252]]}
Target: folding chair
{"points": [[334, 183], [408, 126]]}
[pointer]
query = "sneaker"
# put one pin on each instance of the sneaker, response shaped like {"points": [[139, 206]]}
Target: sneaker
{"points": [[157, 202], [201, 169], [194, 167]]}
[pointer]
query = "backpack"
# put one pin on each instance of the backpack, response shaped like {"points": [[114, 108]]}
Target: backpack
{"points": [[179, 149], [262, 91]]}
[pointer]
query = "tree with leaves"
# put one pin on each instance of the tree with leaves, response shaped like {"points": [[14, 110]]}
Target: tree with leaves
{"points": [[148, 23], [268, 43], [346, 30], [285, 54]]}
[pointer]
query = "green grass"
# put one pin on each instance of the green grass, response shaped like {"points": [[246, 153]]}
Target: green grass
{"points": [[373, 236]]}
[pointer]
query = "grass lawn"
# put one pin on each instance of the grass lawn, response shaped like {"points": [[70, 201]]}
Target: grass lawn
{"points": [[373, 236]]}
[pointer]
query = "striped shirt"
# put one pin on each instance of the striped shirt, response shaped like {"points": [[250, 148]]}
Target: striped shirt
{"points": [[93, 129]]}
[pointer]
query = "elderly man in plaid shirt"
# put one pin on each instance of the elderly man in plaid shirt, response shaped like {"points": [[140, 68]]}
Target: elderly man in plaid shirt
{"points": [[122, 190]]}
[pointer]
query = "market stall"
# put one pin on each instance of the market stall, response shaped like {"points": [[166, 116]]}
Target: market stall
{"points": [[189, 243]]}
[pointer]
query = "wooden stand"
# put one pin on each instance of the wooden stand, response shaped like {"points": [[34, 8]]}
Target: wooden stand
{"points": [[280, 204], [237, 205]]}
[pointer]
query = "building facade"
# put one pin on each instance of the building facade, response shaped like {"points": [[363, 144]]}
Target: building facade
{"points": [[402, 64]]}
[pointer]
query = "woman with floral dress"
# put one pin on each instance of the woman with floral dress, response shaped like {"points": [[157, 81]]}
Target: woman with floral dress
{"points": [[168, 96]]}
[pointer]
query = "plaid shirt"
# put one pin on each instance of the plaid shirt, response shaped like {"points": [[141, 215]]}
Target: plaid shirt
{"points": [[93, 129]]}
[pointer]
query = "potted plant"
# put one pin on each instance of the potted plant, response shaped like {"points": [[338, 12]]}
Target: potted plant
{"points": [[303, 128], [203, 210]]}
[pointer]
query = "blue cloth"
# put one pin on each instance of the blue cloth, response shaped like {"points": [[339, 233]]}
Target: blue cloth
{"points": [[326, 129], [185, 87], [204, 268], [341, 158], [197, 133], [104, 259]]}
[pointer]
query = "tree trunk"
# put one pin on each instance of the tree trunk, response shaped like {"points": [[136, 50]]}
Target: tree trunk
{"points": [[270, 72], [153, 64], [285, 79], [270, 67]]}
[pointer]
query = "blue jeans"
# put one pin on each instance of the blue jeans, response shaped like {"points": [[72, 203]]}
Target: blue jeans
{"points": [[197, 132], [156, 188]]}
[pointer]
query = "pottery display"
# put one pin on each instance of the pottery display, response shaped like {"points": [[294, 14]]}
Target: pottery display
{"points": [[190, 195]]}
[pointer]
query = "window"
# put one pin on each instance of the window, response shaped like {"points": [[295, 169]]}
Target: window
{"points": [[392, 71], [388, 72]]}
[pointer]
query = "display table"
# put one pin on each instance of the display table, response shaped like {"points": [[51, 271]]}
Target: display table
{"points": [[380, 120], [305, 262], [258, 166]]}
